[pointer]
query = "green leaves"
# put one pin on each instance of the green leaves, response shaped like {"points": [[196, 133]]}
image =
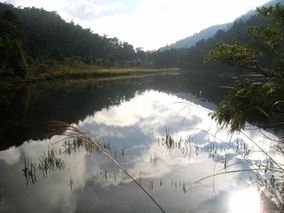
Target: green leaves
{"points": [[254, 102], [234, 54], [275, 12]]}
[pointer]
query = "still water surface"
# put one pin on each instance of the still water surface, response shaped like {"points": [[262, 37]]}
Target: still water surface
{"points": [[132, 119]]}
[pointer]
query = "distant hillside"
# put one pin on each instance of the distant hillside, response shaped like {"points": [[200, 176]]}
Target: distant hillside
{"points": [[191, 40], [206, 33], [192, 58]]}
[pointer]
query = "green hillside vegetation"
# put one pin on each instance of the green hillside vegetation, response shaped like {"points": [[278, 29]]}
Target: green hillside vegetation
{"points": [[39, 45], [206, 33], [191, 40], [36, 44], [193, 58]]}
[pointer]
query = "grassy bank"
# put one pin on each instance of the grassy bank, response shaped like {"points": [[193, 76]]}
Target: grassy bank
{"points": [[79, 71]]}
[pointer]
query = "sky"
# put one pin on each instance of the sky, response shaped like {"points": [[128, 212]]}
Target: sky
{"points": [[150, 24]]}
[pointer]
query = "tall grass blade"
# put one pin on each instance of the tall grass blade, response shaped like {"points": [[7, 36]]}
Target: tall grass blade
{"points": [[71, 132]]}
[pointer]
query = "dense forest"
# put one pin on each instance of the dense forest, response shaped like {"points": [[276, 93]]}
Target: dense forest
{"points": [[33, 41]]}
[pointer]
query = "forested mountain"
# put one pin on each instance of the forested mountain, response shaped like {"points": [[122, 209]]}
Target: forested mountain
{"points": [[210, 31], [191, 40], [206, 33], [65, 38], [192, 58], [32, 37]]}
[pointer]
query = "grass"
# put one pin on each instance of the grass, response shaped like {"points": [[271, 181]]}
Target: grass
{"points": [[266, 176], [66, 72]]}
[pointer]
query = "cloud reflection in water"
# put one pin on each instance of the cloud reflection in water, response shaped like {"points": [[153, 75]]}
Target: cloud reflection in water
{"points": [[133, 128]]}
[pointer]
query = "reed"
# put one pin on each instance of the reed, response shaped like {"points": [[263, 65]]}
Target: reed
{"points": [[72, 132]]}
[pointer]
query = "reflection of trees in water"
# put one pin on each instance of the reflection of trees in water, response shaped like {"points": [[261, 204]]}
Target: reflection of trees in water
{"points": [[26, 109], [27, 113]]}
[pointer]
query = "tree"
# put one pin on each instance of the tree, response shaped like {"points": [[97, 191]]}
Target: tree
{"points": [[259, 102], [12, 55]]}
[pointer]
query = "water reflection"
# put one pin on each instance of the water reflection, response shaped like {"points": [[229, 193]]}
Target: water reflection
{"points": [[26, 108], [245, 201], [135, 131]]}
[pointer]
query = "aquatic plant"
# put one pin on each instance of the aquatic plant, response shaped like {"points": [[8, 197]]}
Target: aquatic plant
{"points": [[29, 171], [71, 182], [47, 163]]}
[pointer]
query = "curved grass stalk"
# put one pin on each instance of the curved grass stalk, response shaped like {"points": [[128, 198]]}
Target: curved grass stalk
{"points": [[189, 110], [70, 131], [226, 172], [263, 151], [267, 182]]}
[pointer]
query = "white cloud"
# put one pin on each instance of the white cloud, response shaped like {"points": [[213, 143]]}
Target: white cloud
{"points": [[10, 156]]}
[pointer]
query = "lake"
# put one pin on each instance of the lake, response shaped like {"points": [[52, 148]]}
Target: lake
{"points": [[133, 118]]}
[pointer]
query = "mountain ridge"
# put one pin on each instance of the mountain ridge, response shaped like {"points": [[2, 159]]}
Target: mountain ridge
{"points": [[191, 40], [212, 30]]}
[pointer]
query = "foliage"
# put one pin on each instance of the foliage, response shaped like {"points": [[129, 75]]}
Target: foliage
{"points": [[12, 55], [32, 38], [259, 102]]}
